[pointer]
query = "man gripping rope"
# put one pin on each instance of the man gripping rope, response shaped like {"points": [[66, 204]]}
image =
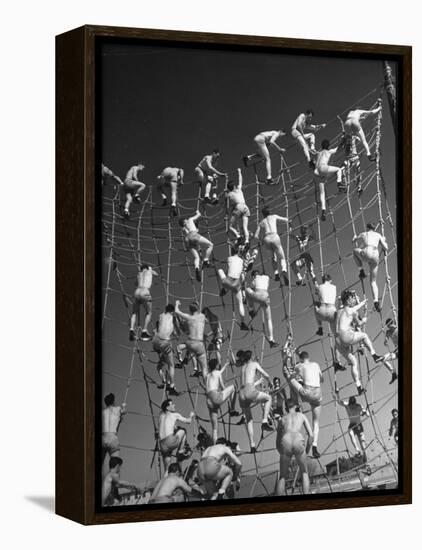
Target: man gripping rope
{"points": [[142, 296], [194, 241]]}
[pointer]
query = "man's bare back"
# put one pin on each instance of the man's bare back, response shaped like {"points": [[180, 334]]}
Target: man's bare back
{"points": [[168, 485], [111, 419], [196, 325], [165, 326], [144, 278], [167, 423], [214, 381]]}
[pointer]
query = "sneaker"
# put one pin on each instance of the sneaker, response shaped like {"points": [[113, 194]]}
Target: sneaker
{"points": [[241, 421], [299, 283], [273, 344], [243, 326], [285, 278], [252, 313], [234, 413], [372, 158], [164, 203], [303, 282], [377, 358], [246, 247], [145, 336], [131, 335], [315, 452], [137, 198], [160, 386], [393, 377], [220, 496], [377, 307], [269, 181], [223, 292], [245, 160], [214, 201], [276, 276], [311, 164], [195, 374], [206, 263], [320, 332], [198, 274], [173, 210], [323, 216], [339, 367], [361, 390], [253, 450], [172, 391], [207, 200], [179, 365], [266, 427], [126, 214], [362, 274], [360, 191]]}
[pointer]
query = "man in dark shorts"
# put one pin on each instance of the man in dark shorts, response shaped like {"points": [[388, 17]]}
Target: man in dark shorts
{"points": [[394, 426], [355, 412]]}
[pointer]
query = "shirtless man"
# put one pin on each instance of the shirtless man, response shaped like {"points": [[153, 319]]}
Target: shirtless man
{"points": [[392, 334], [194, 241], [218, 394], [369, 253], [112, 417], [167, 488], [309, 390], [304, 132], [142, 296], [239, 212], [323, 171], [207, 175], [278, 398], [195, 342], [161, 343], [213, 472], [304, 260], [351, 162], [233, 282], [346, 336], [272, 242], [112, 482], [257, 293], [394, 426], [106, 172], [325, 309], [249, 395], [170, 178], [172, 437], [355, 411], [353, 126], [132, 187], [290, 442], [216, 333], [263, 140]]}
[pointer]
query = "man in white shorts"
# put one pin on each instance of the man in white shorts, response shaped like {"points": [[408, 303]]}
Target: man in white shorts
{"points": [[142, 296], [233, 282], [218, 468], [208, 174], [263, 141], [218, 394], [216, 333], [239, 211], [172, 437], [170, 178], [272, 242], [195, 342], [112, 417], [353, 127], [369, 252], [161, 344], [257, 294], [323, 171], [194, 241], [325, 309], [303, 131], [132, 187], [347, 336]]}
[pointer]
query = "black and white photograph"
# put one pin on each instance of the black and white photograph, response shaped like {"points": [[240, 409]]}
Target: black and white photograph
{"points": [[250, 290]]}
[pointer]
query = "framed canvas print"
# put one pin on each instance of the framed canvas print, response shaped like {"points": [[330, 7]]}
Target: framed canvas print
{"points": [[233, 275]]}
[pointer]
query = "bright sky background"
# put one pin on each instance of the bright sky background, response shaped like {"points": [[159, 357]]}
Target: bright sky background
{"points": [[170, 106]]}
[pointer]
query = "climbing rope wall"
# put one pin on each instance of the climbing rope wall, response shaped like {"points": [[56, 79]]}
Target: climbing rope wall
{"points": [[152, 236]]}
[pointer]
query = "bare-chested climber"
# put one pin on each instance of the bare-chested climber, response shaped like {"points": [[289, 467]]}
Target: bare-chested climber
{"points": [[325, 308], [216, 333], [217, 469], [306, 381], [207, 175], [290, 442], [142, 296], [194, 241], [249, 395], [392, 335], [132, 187], [303, 131], [112, 417], [272, 242], [323, 170], [304, 260], [353, 127], [351, 162], [369, 252], [233, 282], [170, 178], [161, 343], [347, 318], [237, 209], [112, 482], [257, 294], [263, 141], [170, 486], [218, 394], [355, 412], [172, 437], [195, 343]]}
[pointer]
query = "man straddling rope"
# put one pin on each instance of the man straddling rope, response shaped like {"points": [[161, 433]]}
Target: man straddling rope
{"points": [[355, 412], [233, 282], [353, 127], [323, 170], [161, 344], [303, 131], [237, 209], [369, 252], [132, 187], [170, 178], [195, 342], [325, 308], [272, 242], [112, 417], [263, 141], [194, 241], [257, 294], [207, 175], [142, 296]]}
